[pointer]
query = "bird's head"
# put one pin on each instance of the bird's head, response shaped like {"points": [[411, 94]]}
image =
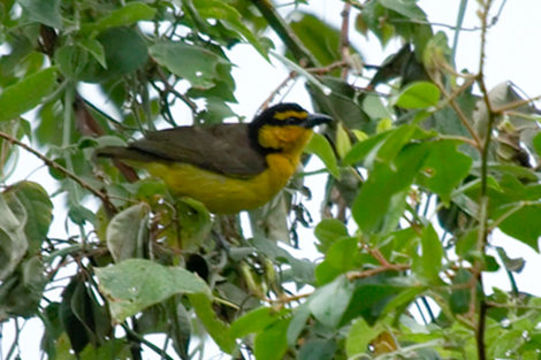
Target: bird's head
{"points": [[284, 127]]}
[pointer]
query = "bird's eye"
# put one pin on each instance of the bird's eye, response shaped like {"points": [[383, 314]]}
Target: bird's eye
{"points": [[291, 121]]}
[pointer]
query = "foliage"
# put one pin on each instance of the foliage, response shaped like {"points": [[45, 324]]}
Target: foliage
{"points": [[415, 140]]}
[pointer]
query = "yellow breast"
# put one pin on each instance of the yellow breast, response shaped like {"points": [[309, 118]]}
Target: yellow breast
{"points": [[223, 194]]}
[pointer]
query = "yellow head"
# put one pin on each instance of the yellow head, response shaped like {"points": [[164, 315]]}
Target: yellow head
{"points": [[284, 128]]}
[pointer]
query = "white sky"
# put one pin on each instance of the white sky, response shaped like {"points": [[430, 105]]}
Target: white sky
{"points": [[512, 53]]}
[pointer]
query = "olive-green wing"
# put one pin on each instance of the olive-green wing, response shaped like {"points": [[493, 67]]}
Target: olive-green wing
{"points": [[224, 148]]}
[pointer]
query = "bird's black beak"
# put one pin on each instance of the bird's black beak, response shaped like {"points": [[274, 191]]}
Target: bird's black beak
{"points": [[316, 119]]}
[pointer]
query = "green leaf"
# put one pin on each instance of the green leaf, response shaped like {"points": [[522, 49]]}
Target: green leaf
{"points": [[13, 242], [341, 104], [360, 150], [112, 349], [26, 93], [35, 200], [373, 203], [359, 337], [93, 317], [445, 167], [328, 231], [392, 145], [342, 141], [371, 295], [255, 321], [53, 329], [537, 143], [71, 60], [125, 51], [128, 232], [95, 48], [427, 265], [222, 11], [21, 291], [135, 284], [328, 303], [317, 349], [194, 223], [217, 329], [403, 299], [297, 323], [511, 264], [319, 146], [375, 108], [459, 300], [344, 254], [271, 344], [80, 215], [325, 273], [523, 225], [128, 14], [408, 8], [194, 63], [77, 333], [45, 12], [179, 327], [302, 270], [418, 95], [321, 39]]}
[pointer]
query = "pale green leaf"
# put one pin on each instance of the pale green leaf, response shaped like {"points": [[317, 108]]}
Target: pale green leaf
{"points": [[321, 147], [418, 95], [45, 12], [127, 232], [194, 63], [135, 284]]}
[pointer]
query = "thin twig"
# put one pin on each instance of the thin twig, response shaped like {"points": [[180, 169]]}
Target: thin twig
{"points": [[458, 138], [327, 69], [280, 86], [507, 214], [344, 40], [287, 299], [352, 275], [376, 254], [50, 163], [515, 104], [450, 99]]}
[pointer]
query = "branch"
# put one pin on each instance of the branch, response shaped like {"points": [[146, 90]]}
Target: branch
{"points": [[450, 99], [515, 104], [327, 69], [290, 39], [344, 40], [287, 299], [50, 163], [484, 199], [352, 275]]}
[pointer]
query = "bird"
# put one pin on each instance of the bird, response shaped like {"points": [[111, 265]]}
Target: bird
{"points": [[228, 167]]}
